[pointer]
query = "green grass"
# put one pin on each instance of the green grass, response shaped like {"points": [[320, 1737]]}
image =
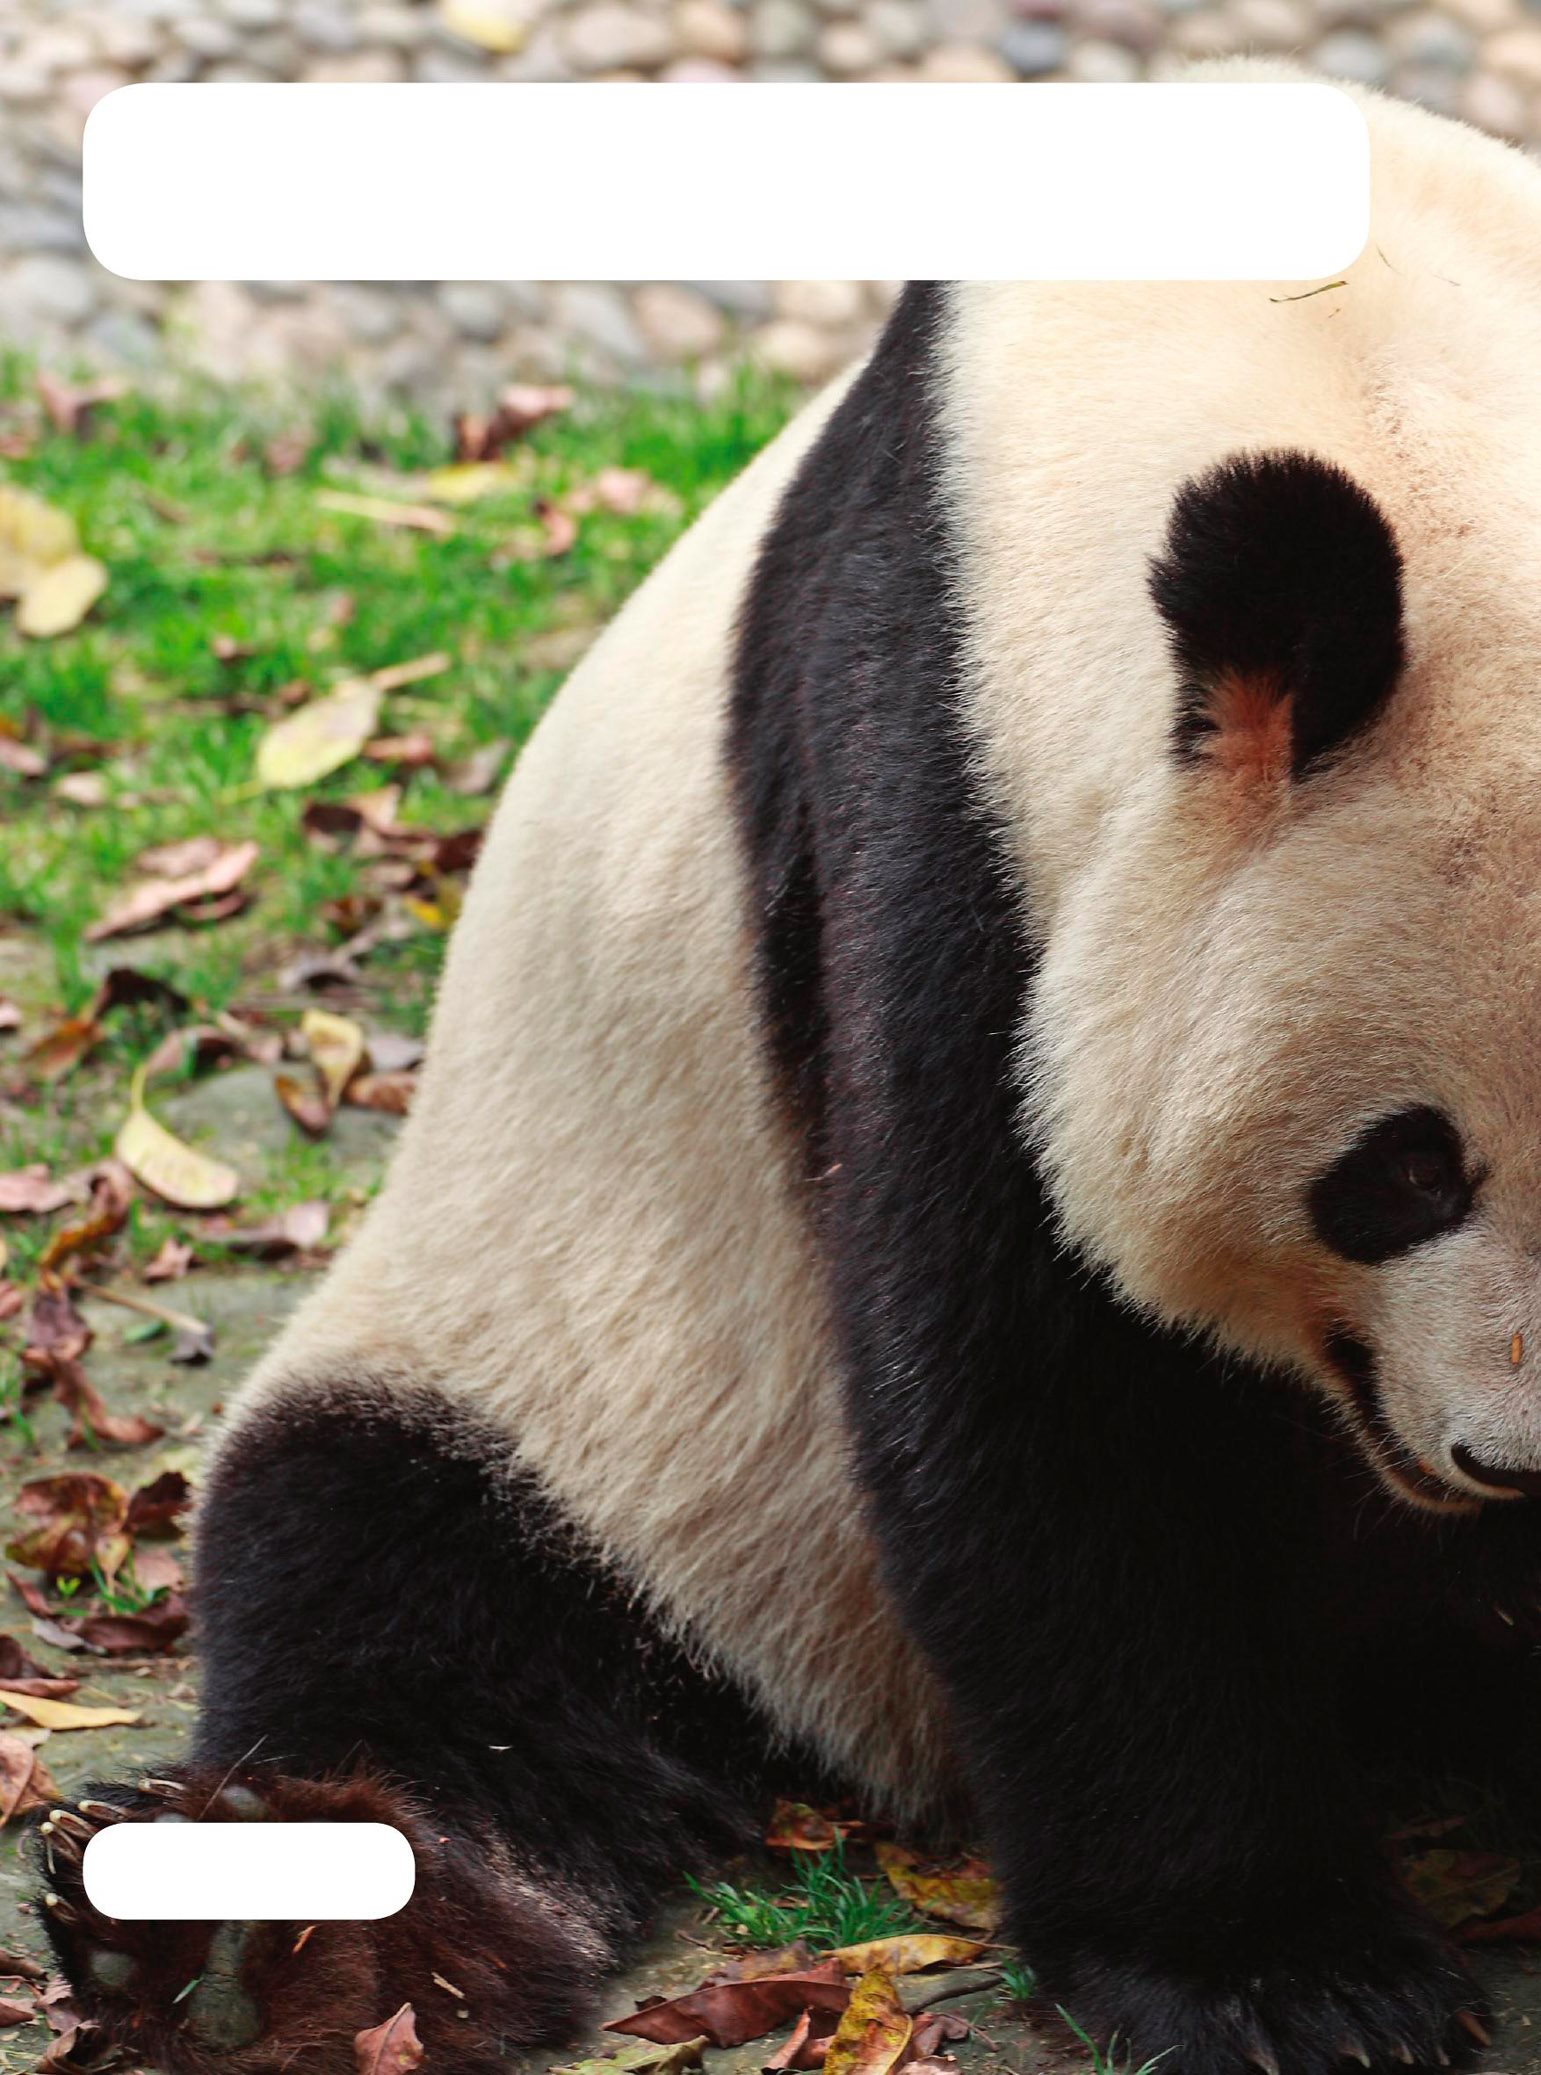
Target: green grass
{"points": [[208, 546], [1104, 2059], [825, 1904]]}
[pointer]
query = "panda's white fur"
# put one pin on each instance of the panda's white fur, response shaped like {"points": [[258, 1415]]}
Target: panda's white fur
{"points": [[592, 1227]]}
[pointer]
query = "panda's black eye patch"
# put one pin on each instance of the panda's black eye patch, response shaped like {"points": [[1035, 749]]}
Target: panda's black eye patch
{"points": [[1401, 1182]]}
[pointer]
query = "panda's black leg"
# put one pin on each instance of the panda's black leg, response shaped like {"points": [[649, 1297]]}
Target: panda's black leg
{"points": [[396, 1628]]}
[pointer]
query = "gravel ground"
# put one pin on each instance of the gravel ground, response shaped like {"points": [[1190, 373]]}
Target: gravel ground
{"points": [[448, 344]]}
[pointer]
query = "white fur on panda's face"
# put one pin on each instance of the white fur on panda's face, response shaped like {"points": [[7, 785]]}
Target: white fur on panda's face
{"points": [[1244, 989]]}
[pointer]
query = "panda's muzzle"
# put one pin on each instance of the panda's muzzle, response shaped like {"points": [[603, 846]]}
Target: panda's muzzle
{"points": [[1353, 1362]]}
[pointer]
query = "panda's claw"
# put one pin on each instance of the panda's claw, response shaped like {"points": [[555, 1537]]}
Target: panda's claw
{"points": [[1354, 2050], [1469, 2022]]}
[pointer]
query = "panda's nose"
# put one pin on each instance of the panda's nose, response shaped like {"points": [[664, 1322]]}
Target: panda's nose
{"points": [[1523, 1483]]}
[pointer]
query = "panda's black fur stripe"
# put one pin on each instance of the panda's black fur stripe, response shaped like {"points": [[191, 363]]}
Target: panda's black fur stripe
{"points": [[1281, 572], [377, 1589], [1109, 1544]]}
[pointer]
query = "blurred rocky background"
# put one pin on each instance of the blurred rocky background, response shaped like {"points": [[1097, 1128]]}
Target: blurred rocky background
{"points": [[444, 344]]}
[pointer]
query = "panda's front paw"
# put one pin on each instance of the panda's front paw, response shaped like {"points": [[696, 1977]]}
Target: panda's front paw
{"points": [[1386, 1993]]}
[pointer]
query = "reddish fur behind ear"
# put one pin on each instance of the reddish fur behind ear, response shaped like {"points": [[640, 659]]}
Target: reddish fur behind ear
{"points": [[1250, 736]]}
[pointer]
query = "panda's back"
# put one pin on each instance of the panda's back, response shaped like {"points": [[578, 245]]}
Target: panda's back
{"points": [[591, 1228]]}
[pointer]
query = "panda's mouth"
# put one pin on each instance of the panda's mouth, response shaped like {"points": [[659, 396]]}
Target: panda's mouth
{"points": [[1408, 1475]]}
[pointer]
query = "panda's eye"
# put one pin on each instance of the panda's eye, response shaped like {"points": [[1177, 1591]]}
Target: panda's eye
{"points": [[1401, 1182]]}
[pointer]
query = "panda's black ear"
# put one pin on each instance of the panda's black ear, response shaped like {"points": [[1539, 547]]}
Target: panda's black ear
{"points": [[1281, 588]]}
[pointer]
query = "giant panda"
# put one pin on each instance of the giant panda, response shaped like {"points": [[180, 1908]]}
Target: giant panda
{"points": [[973, 1223]]}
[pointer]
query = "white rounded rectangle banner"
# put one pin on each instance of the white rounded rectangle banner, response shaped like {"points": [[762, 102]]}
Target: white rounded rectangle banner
{"points": [[294, 1872], [1201, 180]]}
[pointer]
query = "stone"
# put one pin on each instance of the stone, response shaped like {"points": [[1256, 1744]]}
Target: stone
{"points": [[123, 40], [799, 350], [50, 287], [402, 28], [357, 68], [542, 59], [175, 68], [848, 49], [1516, 52], [830, 305], [253, 14], [899, 27], [967, 21], [207, 36], [21, 83], [748, 301], [963, 64], [31, 227], [1135, 24], [1033, 48], [437, 66], [1351, 54], [596, 313], [609, 35], [1273, 25], [475, 308], [677, 324], [1096, 62], [711, 29], [1431, 86], [780, 28], [1206, 33], [125, 337], [277, 52], [58, 48], [325, 27], [785, 71], [1493, 104], [1482, 17], [700, 72], [1428, 37]]}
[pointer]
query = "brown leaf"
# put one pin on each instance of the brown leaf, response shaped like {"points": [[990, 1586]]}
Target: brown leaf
{"points": [[519, 407], [156, 1569], [10, 1014], [306, 1103], [1524, 1929], [19, 1965], [963, 1894], [412, 752], [56, 1327], [27, 1191], [1456, 1886], [153, 1628], [145, 904], [156, 1507], [727, 2013], [873, 2036], [126, 987], [91, 1423], [806, 2045], [13, 1299], [20, 758], [297, 1230], [69, 406], [170, 1263], [60, 1050], [390, 2047], [181, 860], [74, 2052], [107, 1215], [19, 1674], [391, 1093], [83, 788], [796, 1827], [197, 1046], [479, 772], [24, 1780], [80, 1518], [14, 2013], [286, 453]]}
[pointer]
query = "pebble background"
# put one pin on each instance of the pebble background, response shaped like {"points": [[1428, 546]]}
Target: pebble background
{"points": [[451, 343]]}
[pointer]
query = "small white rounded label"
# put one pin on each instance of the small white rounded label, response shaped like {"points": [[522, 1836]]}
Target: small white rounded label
{"points": [[294, 1872]]}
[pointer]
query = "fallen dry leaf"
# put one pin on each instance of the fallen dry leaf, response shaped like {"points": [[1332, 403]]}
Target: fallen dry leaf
{"points": [[80, 1518], [390, 1093], [385, 511], [909, 1954], [14, 2013], [83, 788], [60, 1050], [10, 1014], [171, 1169], [796, 1826], [648, 2058], [154, 898], [69, 405], [486, 24], [157, 1507], [305, 1102], [59, 597], [179, 860], [336, 1045], [34, 536], [28, 1192], [727, 2013], [63, 1715], [386, 2049], [20, 758], [153, 1628], [1524, 1929], [519, 407], [156, 1569], [478, 773], [24, 1779], [20, 1674], [320, 738], [873, 2035], [1456, 1886], [296, 1230], [805, 2045], [963, 1894], [170, 1262]]}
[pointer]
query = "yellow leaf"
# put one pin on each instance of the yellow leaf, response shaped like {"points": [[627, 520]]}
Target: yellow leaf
{"points": [[33, 536], [908, 1954], [59, 596], [336, 1044], [1456, 1886], [873, 2035], [463, 482], [321, 737], [964, 1895], [486, 24], [386, 511], [174, 1171], [61, 1714]]}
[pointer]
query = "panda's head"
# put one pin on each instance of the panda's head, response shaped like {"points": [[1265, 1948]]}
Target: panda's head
{"points": [[1285, 1057]]}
